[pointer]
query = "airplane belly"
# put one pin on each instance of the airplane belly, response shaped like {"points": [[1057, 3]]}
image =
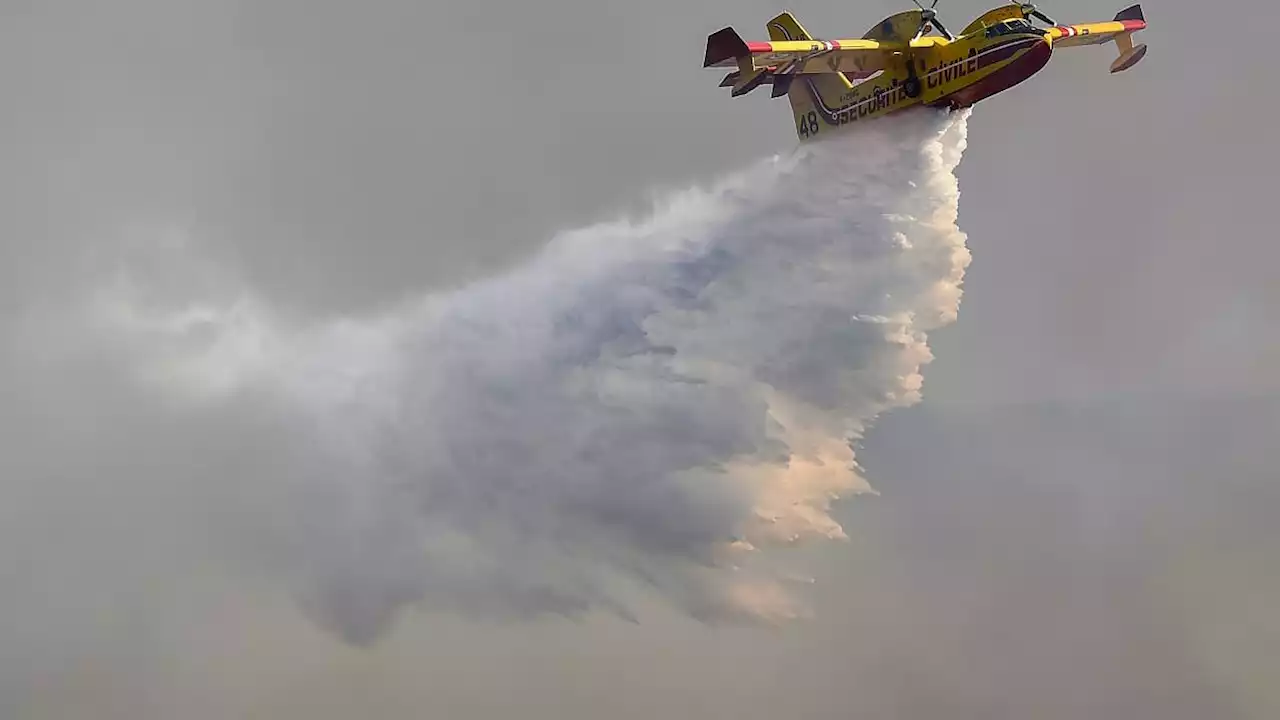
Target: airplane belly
{"points": [[992, 71]]}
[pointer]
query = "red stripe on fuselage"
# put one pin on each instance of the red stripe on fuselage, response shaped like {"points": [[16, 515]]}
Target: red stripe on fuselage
{"points": [[767, 47]]}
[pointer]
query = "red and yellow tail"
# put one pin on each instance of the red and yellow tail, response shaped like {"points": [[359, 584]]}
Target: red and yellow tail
{"points": [[1120, 30]]}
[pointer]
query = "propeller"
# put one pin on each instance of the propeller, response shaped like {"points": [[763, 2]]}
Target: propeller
{"points": [[929, 15], [1030, 9]]}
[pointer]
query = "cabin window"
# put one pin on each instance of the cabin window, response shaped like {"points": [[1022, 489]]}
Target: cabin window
{"points": [[1010, 26]]}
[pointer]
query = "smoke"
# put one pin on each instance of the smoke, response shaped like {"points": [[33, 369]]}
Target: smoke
{"points": [[650, 403]]}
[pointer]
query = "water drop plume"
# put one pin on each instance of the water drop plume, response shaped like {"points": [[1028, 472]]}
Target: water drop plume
{"points": [[651, 402]]}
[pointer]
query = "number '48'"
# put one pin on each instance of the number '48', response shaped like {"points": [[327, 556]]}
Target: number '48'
{"points": [[809, 124]]}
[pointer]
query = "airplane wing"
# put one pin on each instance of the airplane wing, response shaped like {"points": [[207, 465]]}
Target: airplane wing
{"points": [[760, 62], [1121, 30], [725, 48]]}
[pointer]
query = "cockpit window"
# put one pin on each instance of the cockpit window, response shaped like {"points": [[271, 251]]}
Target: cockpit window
{"points": [[1015, 25]]}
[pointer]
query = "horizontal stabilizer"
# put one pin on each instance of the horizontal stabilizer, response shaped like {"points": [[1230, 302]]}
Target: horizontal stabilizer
{"points": [[1133, 12], [781, 83], [748, 82]]}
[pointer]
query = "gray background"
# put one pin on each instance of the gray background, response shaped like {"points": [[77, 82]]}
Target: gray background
{"points": [[1087, 535]]}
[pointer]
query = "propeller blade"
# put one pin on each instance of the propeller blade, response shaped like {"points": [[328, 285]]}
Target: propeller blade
{"points": [[941, 28], [1032, 10], [1046, 18]]}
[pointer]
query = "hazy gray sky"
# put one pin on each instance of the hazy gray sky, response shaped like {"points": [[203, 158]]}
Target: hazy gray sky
{"points": [[1074, 523]]}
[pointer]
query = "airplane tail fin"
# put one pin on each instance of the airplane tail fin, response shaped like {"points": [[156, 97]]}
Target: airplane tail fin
{"points": [[1133, 12], [725, 47], [724, 44], [1130, 54]]}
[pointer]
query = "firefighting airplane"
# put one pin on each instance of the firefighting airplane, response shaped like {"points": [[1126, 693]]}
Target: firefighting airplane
{"points": [[898, 64]]}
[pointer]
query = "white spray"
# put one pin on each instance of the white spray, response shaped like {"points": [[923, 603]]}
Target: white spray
{"points": [[646, 401]]}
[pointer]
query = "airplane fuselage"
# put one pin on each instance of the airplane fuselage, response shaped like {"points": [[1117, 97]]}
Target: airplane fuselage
{"points": [[897, 64], [933, 72]]}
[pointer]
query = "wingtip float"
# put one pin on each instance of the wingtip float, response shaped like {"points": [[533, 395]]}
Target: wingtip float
{"points": [[899, 63]]}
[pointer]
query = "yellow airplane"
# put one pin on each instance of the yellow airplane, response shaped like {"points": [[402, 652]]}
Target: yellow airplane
{"points": [[898, 64]]}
